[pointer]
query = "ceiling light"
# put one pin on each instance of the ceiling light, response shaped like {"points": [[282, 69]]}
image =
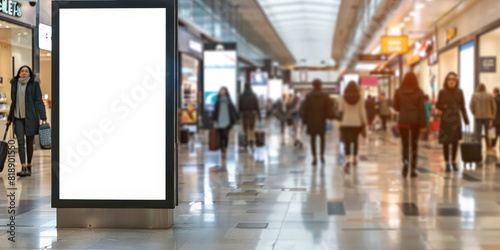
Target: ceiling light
{"points": [[429, 0], [18, 34], [407, 19], [7, 26], [48, 54], [401, 25], [0, 24], [412, 13], [25, 33], [420, 6]]}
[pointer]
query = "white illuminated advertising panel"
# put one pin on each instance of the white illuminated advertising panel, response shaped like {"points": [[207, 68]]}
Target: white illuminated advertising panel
{"points": [[467, 82], [112, 99], [219, 71]]}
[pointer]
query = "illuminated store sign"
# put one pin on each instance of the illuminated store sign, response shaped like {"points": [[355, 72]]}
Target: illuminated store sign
{"points": [[11, 8], [394, 44]]}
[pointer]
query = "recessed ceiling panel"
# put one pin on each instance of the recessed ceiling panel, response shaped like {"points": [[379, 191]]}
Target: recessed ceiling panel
{"points": [[305, 26]]}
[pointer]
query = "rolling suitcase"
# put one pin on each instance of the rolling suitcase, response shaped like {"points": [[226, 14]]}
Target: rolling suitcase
{"points": [[184, 136], [3, 150], [45, 136], [260, 139], [470, 150], [213, 140]]}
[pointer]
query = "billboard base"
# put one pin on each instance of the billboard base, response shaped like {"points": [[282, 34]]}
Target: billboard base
{"points": [[115, 218]]}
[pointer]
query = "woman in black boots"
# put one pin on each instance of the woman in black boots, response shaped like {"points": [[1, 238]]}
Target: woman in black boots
{"points": [[26, 111], [452, 105], [409, 102]]}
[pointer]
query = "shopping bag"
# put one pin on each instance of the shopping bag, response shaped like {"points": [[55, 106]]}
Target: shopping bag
{"points": [[492, 133], [260, 138], [435, 126], [213, 140], [377, 124], [3, 150], [395, 131], [45, 136]]}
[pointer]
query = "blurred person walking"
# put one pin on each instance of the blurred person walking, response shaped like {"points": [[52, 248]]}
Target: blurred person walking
{"points": [[484, 109], [250, 112], [371, 110], [224, 117], [352, 123], [428, 111], [26, 110], [496, 122], [409, 102], [280, 110], [314, 114], [293, 110], [451, 103], [384, 110]]}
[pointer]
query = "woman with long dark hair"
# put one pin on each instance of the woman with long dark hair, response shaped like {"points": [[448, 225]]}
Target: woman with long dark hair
{"points": [[354, 119], [409, 102], [26, 111], [224, 117], [451, 103]]}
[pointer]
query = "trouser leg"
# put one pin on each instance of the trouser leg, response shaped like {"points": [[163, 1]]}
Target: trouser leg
{"points": [[29, 146], [20, 139]]}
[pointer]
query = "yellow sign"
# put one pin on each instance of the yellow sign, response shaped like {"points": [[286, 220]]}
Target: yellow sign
{"points": [[450, 34], [394, 44]]}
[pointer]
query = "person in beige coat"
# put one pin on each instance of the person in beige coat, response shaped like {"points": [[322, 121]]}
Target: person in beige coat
{"points": [[352, 123], [484, 109]]}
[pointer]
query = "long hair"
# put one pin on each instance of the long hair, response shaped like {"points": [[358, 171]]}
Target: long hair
{"points": [[446, 80], [352, 89], [410, 81], [227, 93], [25, 66]]}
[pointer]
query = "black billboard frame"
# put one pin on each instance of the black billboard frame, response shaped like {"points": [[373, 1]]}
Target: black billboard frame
{"points": [[171, 128]]}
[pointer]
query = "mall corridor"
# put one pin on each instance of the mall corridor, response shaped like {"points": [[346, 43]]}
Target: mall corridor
{"points": [[285, 203]]}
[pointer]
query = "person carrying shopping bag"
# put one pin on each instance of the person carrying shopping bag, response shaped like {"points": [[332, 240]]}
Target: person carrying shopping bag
{"points": [[25, 112]]}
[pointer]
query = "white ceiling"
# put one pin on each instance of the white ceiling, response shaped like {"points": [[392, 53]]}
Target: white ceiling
{"points": [[305, 26]]}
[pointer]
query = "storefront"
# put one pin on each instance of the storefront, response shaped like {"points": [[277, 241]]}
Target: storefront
{"points": [[190, 56]]}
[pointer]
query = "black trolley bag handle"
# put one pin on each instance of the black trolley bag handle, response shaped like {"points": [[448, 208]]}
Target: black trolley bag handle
{"points": [[3, 149]]}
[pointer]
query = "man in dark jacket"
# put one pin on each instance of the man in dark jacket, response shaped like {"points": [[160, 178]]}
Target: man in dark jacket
{"points": [[313, 112], [249, 109]]}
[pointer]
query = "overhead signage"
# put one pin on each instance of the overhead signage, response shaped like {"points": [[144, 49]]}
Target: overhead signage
{"points": [[11, 8], [370, 57], [45, 37], [394, 44], [488, 64], [369, 81]]}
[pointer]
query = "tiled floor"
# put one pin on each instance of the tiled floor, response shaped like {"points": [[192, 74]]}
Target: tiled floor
{"points": [[284, 203]]}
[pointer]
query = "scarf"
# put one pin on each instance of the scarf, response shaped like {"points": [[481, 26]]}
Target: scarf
{"points": [[23, 81]]}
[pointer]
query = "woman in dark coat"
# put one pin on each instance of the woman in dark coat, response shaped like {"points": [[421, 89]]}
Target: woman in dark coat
{"points": [[452, 105], [26, 110], [224, 117], [409, 102]]}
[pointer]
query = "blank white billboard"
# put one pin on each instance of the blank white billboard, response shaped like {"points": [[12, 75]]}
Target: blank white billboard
{"points": [[219, 71], [112, 90]]}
